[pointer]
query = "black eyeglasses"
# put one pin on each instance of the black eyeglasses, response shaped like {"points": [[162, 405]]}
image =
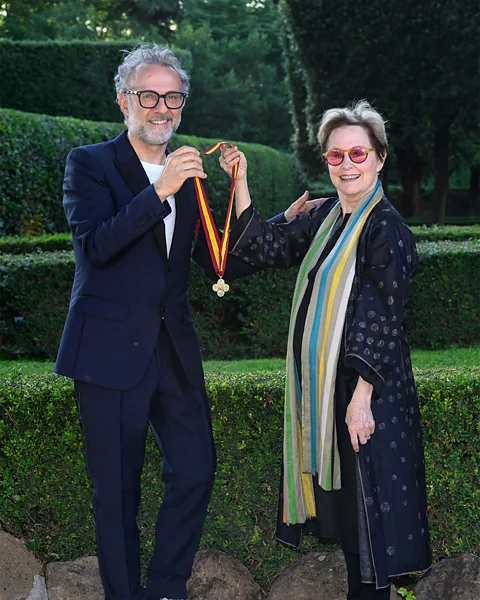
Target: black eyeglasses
{"points": [[150, 99]]}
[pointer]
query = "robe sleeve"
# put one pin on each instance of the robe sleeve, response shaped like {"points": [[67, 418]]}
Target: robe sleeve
{"points": [[275, 243], [375, 324]]}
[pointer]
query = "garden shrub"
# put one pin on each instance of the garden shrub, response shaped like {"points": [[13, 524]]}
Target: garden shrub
{"points": [[46, 495], [440, 233], [16, 244], [27, 244], [252, 320], [33, 76], [33, 149]]}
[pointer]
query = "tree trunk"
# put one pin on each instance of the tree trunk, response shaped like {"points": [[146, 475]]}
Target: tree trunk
{"points": [[440, 190], [474, 190], [411, 172]]}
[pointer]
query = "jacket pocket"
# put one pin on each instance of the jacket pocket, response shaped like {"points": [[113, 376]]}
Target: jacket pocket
{"points": [[99, 307]]}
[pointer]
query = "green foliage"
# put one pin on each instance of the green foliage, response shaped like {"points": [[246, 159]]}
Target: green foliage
{"points": [[456, 233], [92, 19], [35, 291], [33, 149], [46, 496], [459, 220], [73, 79], [460, 358], [398, 60], [251, 321], [451, 418], [26, 244], [407, 594], [238, 81], [14, 244], [444, 307], [230, 49]]}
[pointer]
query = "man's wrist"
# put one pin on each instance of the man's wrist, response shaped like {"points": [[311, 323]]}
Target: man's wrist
{"points": [[160, 193]]}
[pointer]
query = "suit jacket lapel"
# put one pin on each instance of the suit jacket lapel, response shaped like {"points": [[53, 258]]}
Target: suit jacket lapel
{"points": [[132, 171], [129, 165], [185, 203]]}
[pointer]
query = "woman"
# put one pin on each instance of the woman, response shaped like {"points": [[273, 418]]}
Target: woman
{"points": [[353, 455]]}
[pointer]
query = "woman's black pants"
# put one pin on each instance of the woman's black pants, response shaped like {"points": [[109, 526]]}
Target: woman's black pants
{"points": [[358, 590]]}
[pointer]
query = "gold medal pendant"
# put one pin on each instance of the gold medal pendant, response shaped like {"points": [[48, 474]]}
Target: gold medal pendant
{"points": [[220, 287]]}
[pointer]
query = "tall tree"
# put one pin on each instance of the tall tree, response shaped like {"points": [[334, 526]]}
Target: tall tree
{"points": [[393, 54], [89, 19], [238, 81]]}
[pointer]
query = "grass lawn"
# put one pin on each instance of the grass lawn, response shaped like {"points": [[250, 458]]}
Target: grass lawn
{"points": [[421, 359]]}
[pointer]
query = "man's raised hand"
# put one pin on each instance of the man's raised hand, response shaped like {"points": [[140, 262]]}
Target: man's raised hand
{"points": [[179, 166]]}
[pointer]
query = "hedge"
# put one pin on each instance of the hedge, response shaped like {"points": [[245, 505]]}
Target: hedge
{"points": [[16, 244], [65, 78], [33, 149], [26, 244], [251, 321], [46, 496], [438, 233]]}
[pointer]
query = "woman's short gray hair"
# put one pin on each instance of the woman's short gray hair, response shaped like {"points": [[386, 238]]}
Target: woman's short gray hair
{"points": [[360, 113], [146, 54]]}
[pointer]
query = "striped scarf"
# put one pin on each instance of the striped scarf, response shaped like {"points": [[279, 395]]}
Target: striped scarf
{"points": [[310, 442]]}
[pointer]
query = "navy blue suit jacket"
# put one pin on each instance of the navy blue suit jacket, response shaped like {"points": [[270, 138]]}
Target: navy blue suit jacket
{"points": [[124, 283]]}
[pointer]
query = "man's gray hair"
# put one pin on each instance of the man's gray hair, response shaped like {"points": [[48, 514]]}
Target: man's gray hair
{"points": [[361, 114], [148, 54]]}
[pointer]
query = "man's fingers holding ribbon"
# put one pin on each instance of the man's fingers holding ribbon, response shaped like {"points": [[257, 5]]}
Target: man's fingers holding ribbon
{"points": [[179, 166]]}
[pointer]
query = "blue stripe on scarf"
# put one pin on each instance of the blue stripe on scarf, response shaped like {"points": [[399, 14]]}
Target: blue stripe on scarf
{"points": [[299, 387], [316, 325]]}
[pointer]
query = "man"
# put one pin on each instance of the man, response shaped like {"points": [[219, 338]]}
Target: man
{"points": [[129, 341]]}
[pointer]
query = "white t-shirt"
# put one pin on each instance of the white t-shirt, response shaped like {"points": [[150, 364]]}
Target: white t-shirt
{"points": [[153, 173]]}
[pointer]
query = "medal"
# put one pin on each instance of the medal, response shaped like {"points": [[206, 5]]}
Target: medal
{"points": [[220, 287], [218, 248]]}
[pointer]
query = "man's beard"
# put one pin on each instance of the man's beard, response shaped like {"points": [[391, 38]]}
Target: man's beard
{"points": [[150, 137]]}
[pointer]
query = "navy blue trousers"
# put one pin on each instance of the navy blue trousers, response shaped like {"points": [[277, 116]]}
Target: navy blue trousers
{"points": [[115, 425]]}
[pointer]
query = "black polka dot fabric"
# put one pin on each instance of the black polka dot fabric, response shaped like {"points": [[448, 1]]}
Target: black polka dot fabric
{"points": [[375, 347]]}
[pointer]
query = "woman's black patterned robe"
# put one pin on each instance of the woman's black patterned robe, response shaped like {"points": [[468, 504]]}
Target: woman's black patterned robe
{"points": [[381, 511]]}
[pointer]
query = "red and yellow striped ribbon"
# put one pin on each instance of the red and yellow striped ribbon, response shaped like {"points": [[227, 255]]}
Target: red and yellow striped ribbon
{"points": [[217, 247]]}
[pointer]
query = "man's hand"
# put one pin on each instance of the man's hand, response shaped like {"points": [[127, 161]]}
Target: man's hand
{"points": [[301, 206], [179, 166], [360, 421], [230, 157]]}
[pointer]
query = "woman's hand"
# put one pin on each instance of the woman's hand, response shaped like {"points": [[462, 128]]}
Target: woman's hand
{"points": [[230, 157], [359, 419], [301, 206]]}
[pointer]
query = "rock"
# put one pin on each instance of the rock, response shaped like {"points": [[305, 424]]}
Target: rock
{"points": [[452, 578], [316, 576], [217, 576], [39, 589], [18, 568], [75, 580]]}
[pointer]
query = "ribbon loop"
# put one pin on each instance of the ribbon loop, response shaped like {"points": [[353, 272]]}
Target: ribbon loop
{"points": [[218, 248]]}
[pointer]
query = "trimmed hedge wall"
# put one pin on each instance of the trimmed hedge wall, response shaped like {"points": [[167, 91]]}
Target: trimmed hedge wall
{"points": [[69, 78], [438, 233], [46, 496], [15, 244], [26, 244], [33, 149], [251, 321]]}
